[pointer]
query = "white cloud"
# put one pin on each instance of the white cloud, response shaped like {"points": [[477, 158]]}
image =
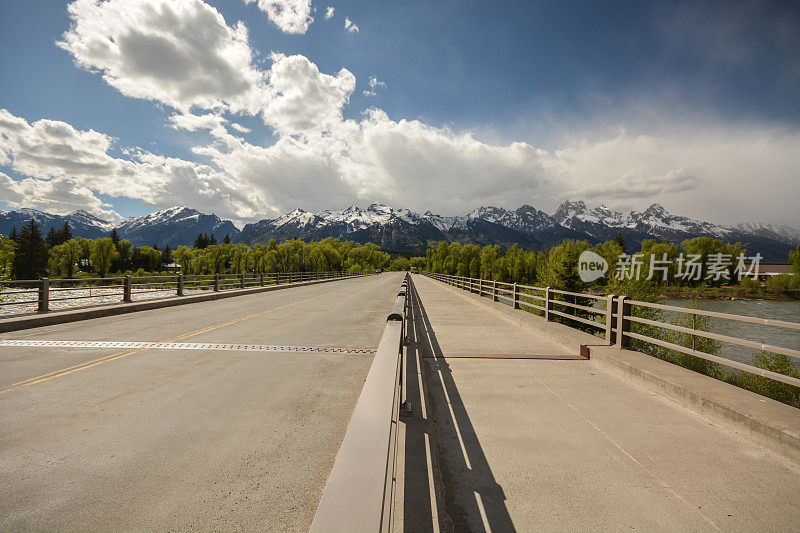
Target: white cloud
{"points": [[349, 26], [329, 13], [291, 16], [59, 196], [54, 151], [179, 52], [374, 83], [302, 99], [240, 128], [368, 93]]}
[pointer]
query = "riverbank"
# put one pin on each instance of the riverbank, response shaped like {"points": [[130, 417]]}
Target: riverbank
{"points": [[675, 292]]}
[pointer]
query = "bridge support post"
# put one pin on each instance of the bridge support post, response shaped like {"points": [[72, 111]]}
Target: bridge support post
{"points": [[44, 295], [180, 284], [216, 282], [547, 305], [127, 289], [516, 297], [623, 325], [610, 319]]}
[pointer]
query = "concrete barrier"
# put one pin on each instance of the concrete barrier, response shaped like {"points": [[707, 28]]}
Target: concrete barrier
{"points": [[359, 494], [74, 315], [769, 423]]}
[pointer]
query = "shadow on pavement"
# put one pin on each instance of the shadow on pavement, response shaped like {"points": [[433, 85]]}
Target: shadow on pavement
{"points": [[440, 434]]}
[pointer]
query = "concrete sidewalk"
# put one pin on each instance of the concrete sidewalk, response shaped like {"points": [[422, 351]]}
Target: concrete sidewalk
{"points": [[525, 444]]}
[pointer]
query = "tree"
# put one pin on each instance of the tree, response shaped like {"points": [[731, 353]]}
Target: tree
{"points": [[166, 257], [103, 252], [30, 259], [794, 257], [227, 239], [14, 236], [620, 241], [65, 234], [115, 237], [7, 249], [64, 257], [52, 238], [212, 240]]}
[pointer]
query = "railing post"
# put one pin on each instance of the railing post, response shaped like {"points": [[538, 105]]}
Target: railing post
{"points": [[610, 319], [480, 287], [127, 289], [180, 284], [516, 297], [44, 295], [623, 310], [216, 282], [241, 280], [547, 305], [261, 276], [494, 290]]}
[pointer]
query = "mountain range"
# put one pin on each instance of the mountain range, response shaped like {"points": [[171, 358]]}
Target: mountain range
{"points": [[404, 230]]}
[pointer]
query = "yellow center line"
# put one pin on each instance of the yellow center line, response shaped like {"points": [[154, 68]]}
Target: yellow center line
{"points": [[120, 355]]}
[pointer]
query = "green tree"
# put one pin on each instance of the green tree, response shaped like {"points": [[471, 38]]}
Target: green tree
{"points": [[30, 259], [103, 252], [7, 252]]}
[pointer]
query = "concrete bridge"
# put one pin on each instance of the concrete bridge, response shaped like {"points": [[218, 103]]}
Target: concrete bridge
{"points": [[373, 403]]}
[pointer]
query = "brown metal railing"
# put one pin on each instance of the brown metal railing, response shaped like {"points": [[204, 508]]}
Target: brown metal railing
{"points": [[617, 314], [40, 293]]}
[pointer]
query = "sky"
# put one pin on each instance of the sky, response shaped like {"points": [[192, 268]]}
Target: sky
{"points": [[252, 108]]}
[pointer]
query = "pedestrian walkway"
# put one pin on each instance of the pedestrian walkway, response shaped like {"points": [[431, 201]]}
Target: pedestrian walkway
{"points": [[505, 443]]}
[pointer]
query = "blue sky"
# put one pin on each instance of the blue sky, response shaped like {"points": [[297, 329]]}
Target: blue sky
{"points": [[622, 103]]}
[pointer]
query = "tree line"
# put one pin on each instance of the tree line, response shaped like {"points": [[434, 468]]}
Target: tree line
{"points": [[28, 254]]}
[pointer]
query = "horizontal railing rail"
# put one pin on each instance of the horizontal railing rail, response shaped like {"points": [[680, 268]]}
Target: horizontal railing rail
{"points": [[359, 494], [20, 294], [618, 316]]}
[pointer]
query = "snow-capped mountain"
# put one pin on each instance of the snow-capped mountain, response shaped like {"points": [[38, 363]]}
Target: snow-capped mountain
{"points": [[782, 233], [174, 226], [401, 229], [81, 223]]}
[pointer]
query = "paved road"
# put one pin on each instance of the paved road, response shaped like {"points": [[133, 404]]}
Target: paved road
{"points": [[103, 439], [562, 445]]}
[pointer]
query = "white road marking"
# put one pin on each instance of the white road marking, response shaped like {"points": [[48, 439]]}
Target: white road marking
{"points": [[179, 346]]}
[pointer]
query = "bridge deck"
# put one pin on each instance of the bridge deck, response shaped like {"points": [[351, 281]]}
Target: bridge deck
{"points": [[186, 439], [563, 445]]}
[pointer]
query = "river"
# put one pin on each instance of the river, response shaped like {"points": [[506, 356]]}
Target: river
{"points": [[788, 311]]}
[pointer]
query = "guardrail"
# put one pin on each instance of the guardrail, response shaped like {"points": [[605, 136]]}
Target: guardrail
{"points": [[359, 495], [42, 293], [617, 315]]}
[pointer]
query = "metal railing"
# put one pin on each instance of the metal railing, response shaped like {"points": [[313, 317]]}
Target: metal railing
{"points": [[41, 294], [545, 301], [359, 495], [617, 315]]}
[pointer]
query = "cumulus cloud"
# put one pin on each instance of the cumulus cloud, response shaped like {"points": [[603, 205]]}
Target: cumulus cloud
{"points": [[291, 16], [329, 13], [179, 52], [349, 26], [240, 128], [59, 196], [302, 99], [374, 83], [54, 151]]}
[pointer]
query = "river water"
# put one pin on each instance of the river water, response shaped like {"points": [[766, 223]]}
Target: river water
{"points": [[788, 311]]}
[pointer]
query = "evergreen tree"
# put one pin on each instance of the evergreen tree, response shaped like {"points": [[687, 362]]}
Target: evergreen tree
{"points": [[227, 239], [166, 256], [200, 242], [66, 233], [52, 238], [115, 238], [30, 260], [13, 235], [620, 241], [213, 240]]}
